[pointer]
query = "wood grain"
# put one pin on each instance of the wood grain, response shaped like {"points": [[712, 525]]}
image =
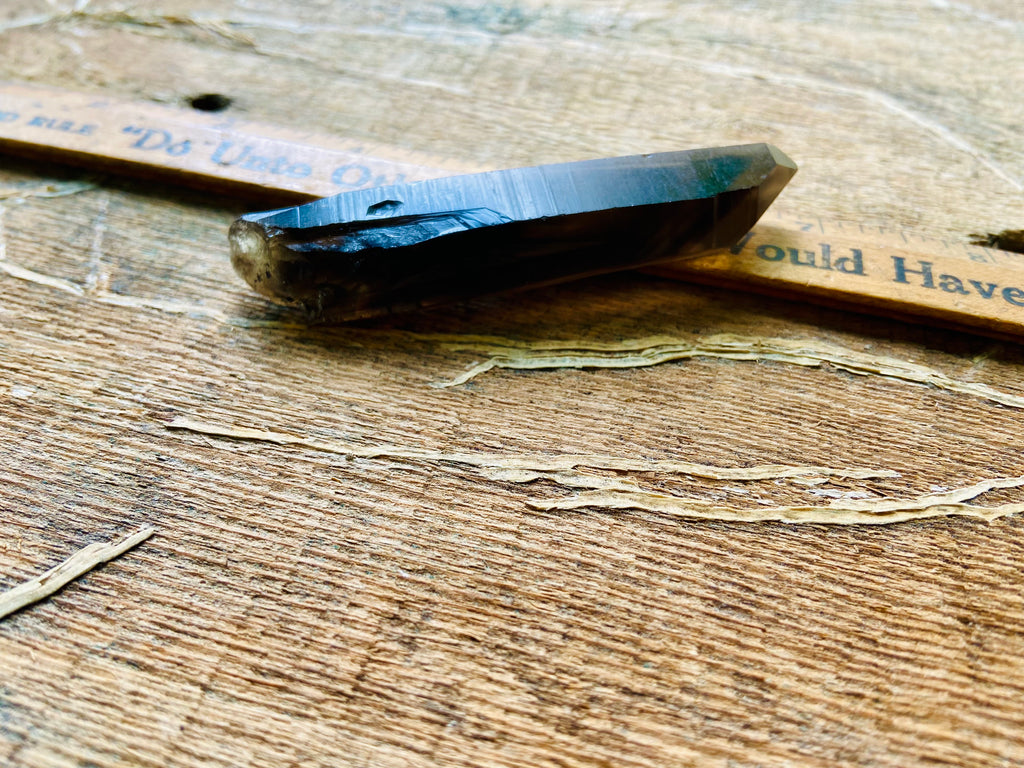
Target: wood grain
{"points": [[307, 609]]}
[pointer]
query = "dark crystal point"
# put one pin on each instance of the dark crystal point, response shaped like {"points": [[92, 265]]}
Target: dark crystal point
{"points": [[374, 251]]}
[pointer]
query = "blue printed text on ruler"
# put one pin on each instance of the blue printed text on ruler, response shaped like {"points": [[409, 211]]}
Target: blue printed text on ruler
{"points": [[235, 154], [226, 152]]}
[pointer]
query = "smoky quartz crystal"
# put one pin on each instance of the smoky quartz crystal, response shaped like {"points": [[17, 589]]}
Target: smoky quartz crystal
{"points": [[374, 251]]}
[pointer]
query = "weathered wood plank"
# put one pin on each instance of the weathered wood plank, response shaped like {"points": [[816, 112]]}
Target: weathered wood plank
{"points": [[302, 607]]}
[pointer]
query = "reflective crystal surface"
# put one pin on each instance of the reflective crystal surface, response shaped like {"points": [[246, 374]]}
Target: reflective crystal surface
{"points": [[374, 251]]}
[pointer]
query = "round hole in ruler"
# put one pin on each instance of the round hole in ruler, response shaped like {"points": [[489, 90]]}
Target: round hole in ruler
{"points": [[210, 102]]}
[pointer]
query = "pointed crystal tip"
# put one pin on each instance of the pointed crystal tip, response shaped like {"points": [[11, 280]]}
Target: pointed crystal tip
{"points": [[781, 158]]}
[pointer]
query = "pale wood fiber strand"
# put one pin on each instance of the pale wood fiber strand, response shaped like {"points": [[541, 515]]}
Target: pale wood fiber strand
{"points": [[81, 562]]}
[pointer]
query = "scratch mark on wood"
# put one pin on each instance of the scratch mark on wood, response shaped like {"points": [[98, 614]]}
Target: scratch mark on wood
{"points": [[27, 274], [98, 280], [146, 22], [885, 100], [95, 289], [170, 306], [26, 22], [36, 277], [48, 190], [973, 13]]}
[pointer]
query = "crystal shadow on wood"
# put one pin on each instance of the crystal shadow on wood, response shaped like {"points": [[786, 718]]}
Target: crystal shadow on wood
{"points": [[388, 249]]}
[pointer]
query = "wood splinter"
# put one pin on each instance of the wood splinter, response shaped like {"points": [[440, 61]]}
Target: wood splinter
{"points": [[81, 562]]}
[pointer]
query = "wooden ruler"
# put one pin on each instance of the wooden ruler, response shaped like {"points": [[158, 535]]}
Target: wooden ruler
{"points": [[878, 270], [197, 148]]}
